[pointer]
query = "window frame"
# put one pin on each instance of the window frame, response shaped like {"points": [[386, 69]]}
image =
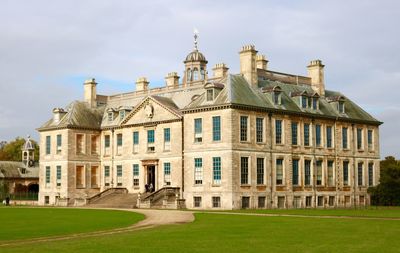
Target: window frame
{"points": [[216, 128], [244, 128]]}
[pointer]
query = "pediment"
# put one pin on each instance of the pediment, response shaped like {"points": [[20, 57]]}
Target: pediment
{"points": [[152, 109]]}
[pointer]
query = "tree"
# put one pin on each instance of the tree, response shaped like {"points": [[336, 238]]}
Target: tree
{"points": [[12, 151], [387, 193]]}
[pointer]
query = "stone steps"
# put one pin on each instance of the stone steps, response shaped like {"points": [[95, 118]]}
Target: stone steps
{"points": [[116, 200]]}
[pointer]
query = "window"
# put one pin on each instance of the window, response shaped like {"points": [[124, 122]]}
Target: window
{"points": [[345, 173], [330, 173], [216, 121], [106, 141], [329, 137], [167, 138], [243, 128], [261, 202], [189, 75], [315, 103], [304, 102], [308, 201], [297, 202], [277, 97], [150, 140], [319, 172], [278, 131], [259, 129], [167, 173], [121, 114], [59, 143], [135, 142], [119, 175], [47, 200], [106, 175], [344, 138], [245, 202], [94, 144], [307, 172], [195, 74], [370, 138], [216, 170], [48, 145], [341, 106], [359, 138], [197, 201], [210, 95], [80, 176], [370, 174], [294, 133], [110, 116], [260, 171], [202, 74], [306, 134], [244, 170], [198, 130], [279, 171], [47, 175], [360, 174], [80, 144], [198, 171], [331, 201], [58, 175], [119, 140], [281, 202], [320, 200], [216, 202], [135, 172], [318, 135], [94, 177], [295, 174]]}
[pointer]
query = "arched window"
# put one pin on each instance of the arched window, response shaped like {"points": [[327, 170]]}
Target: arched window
{"points": [[195, 74], [188, 75], [203, 74]]}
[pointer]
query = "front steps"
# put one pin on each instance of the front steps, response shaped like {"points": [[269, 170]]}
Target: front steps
{"points": [[113, 198]]}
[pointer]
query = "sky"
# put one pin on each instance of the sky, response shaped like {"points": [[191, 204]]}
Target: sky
{"points": [[49, 48]]}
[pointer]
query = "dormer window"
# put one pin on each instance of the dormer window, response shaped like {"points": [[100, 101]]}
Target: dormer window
{"points": [[110, 116], [210, 95], [341, 106], [277, 97], [122, 114], [315, 103], [304, 101]]}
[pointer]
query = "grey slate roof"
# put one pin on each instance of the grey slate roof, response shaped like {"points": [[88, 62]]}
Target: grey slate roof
{"points": [[79, 114], [9, 169]]}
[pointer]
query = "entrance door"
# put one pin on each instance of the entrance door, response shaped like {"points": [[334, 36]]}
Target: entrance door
{"points": [[151, 177]]}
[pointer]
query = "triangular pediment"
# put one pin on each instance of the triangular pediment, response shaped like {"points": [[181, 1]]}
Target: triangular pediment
{"points": [[152, 109]]}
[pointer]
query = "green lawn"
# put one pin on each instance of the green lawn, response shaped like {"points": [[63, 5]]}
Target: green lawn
{"points": [[21, 223], [385, 212], [237, 233]]}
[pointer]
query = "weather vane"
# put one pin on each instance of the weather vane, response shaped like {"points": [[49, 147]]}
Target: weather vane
{"points": [[196, 35]]}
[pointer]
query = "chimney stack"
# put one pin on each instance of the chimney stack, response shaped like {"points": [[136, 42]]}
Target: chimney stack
{"points": [[261, 62], [142, 84], [89, 93], [220, 70], [58, 113], [316, 73], [248, 66], [172, 80]]}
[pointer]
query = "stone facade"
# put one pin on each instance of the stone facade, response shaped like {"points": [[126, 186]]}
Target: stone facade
{"points": [[260, 139]]}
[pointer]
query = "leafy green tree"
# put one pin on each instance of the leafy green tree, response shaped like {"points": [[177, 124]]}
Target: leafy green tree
{"points": [[387, 193], [12, 150]]}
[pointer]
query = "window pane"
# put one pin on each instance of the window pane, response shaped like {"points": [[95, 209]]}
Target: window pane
{"points": [[167, 134], [216, 128], [295, 172], [243, 128], [319, 172], [198, 170], [360, 173], [306, 134], [260, 170], [278, 131], [344, 137], [150, 136], [307, 172], [328, 136], [345, 173], [279, 171], [318, 135], [244, 170], [294, 133], [259, 129], [217, 170]]}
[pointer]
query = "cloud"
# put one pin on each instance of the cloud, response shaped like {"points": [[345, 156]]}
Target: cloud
{"points": [[49, 48]]}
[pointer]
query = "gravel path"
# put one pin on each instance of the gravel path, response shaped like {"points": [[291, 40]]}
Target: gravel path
{"points": [[153, 218]]}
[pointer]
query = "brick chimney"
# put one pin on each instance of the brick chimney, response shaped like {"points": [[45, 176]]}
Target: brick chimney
{"points": [[220, 70], [89, 92], [172, 80], [142, 84], [248, 66], [316, 73], [261, 62]]}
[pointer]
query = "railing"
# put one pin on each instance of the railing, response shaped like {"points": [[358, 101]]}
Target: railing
{"points": [[161, 193], [105, 193], [20, 196]]}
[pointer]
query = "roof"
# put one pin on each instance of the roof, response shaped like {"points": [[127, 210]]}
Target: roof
{"points": [[79, 114], [195, 56], [9, 169]]}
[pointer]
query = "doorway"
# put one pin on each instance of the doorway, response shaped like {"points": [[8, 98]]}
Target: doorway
{"points": [[151, 177]]}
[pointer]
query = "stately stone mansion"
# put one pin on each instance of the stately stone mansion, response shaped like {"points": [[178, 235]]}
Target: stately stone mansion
{"points": [[256, 139]]}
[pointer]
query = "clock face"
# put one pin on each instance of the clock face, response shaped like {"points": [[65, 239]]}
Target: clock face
{"points": [[149, 110]]}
